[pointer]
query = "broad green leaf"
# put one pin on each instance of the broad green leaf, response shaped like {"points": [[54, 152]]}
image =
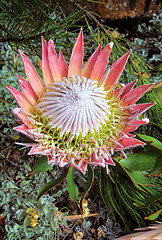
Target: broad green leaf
{"points": [[89, 182], [53, 183], [137, 177], [154, 215], [41, 165], [152, 141], [157, 167], [71, 186], [140, 161]]}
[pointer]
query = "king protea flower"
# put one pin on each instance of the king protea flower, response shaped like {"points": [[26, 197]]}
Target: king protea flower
{"points": [[78, 115]]}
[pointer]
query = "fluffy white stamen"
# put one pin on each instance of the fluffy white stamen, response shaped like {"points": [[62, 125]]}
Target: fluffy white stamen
{"points": [[75, 105]]}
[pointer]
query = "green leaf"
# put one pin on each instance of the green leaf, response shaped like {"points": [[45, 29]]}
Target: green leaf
{"points": [[137, 177], [89, 182], [150, 200], [41, 165], [152, 141], [140, 161], [53, 183], [157, 167], [27, 221], [71, 186], [154, 215]]}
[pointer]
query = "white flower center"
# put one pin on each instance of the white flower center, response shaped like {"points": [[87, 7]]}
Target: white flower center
{"points": [[75, 105]]}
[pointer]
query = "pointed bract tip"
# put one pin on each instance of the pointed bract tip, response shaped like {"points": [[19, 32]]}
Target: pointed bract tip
{"points": [[50, 41], [151, 85], [7, 87], [146, 120], [43, 41], [81, 33], [100, 46], [128, 53], [20, 52], [111, 44], [22, 55], [19, 78]]}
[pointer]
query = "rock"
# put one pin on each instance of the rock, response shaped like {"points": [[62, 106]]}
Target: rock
{"points": [[115, 9]]}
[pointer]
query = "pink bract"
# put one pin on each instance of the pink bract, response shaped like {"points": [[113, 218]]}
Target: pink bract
{"points": [[78, 115]]}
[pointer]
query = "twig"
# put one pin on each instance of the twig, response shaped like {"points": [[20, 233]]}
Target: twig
{"points": [[12, 162], [93, 17], [3, 150]]}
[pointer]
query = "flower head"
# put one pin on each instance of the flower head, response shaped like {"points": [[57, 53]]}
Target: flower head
{"points": [[101, 233], [33, 215], [78, 115], [78, 235], [33, 223]]}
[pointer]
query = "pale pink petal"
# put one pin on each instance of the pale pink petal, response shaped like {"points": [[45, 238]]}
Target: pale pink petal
{"points": [[110, 161], [146, 120], [141, 108], [128, 143], [26, 144], [132, 126], [47, 75], [129, 236], [24, 119], [116, 70], [148, 235], [38, 150], [130, 135], [158, 236], [27, 90], [76, 60], [86, 72], [81, 166], [135, 94], [96, 161], [32, 75], [23, 129], [51, 161], [101, 157], [117, 92], [57, 157], [53, 62], [101, 63], [36, 134], [21, 100], [127, 88], [63, 65], [63, 162]]}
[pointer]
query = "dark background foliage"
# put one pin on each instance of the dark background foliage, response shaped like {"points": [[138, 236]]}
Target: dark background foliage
{"points": [[22, 23]]}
